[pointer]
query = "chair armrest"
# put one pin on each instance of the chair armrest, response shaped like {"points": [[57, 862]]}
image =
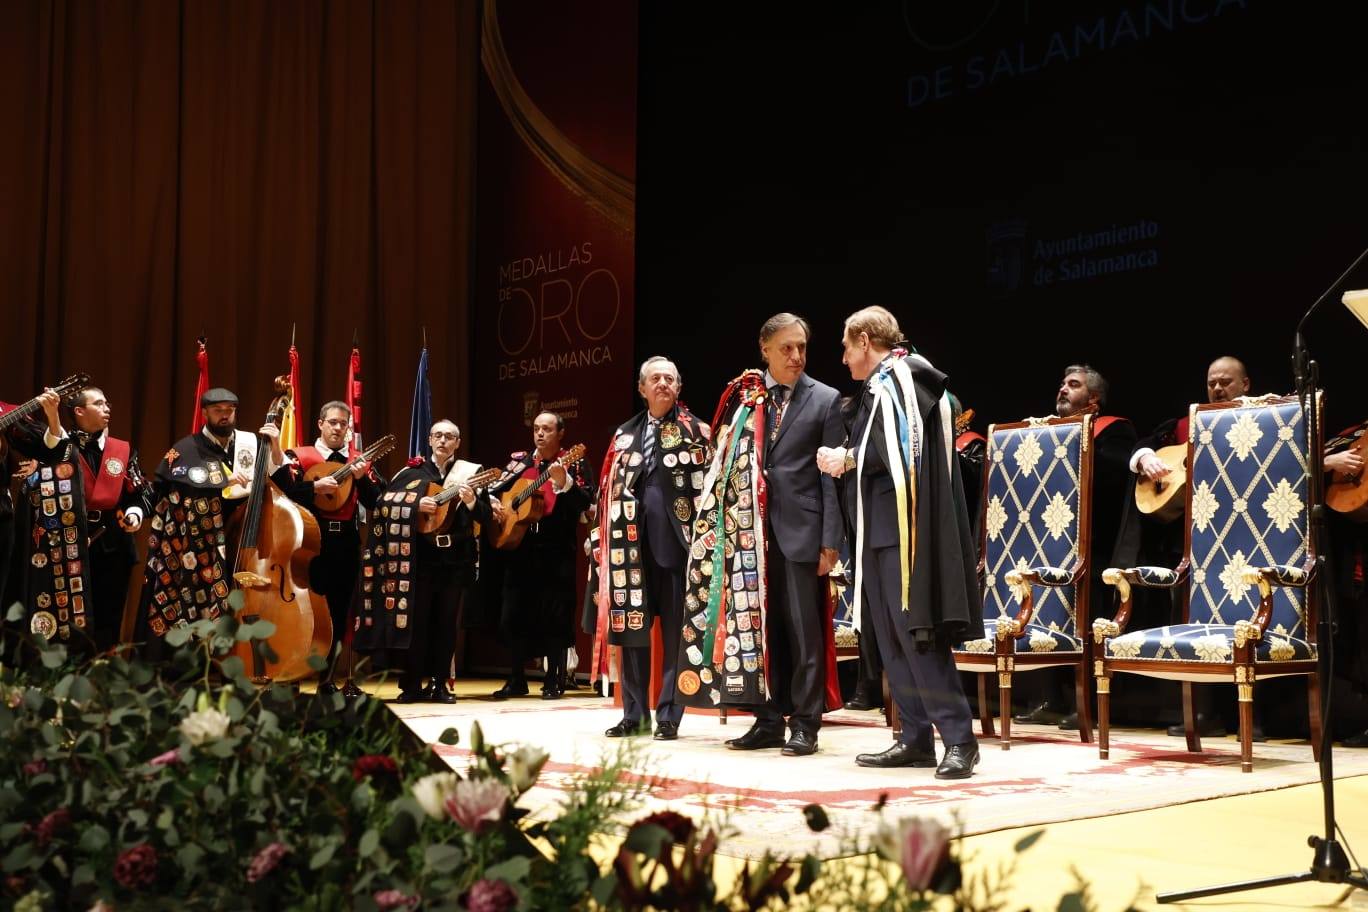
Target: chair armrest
{"points": [[1266, 578]]}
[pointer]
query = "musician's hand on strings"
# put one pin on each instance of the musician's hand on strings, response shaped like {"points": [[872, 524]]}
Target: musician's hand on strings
{"points": [[326, 483], [496, 508], [360, 469], [270, 430], [1152, 467], [427, 505], [558, 476], [240, 478], [467, 494], [1346, 462]]}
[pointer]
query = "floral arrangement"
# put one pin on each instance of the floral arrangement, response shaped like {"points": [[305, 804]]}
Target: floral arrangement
{"points": [[181, 785]]}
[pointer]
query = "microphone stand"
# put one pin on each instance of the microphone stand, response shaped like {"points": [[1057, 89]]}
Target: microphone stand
{"points": [[1329, 863]]}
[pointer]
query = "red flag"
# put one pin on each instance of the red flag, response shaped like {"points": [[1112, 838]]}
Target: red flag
{"points": [[354, 444], [291, 433], [202, 387]]}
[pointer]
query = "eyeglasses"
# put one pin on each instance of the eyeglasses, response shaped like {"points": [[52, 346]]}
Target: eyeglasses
{"points": [[444, 435]]}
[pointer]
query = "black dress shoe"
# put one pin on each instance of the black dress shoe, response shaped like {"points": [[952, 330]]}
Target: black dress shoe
{"points": [[438, 693], [801, 744], [351, 691], [1359, 740], [510, 689], [1207, 727], [862, 703], [327, 688], [959, 762], [1069, 723], [899, 755], [411, 696], [757, 739], [629, 728], [666, 731], [1040, 714]]}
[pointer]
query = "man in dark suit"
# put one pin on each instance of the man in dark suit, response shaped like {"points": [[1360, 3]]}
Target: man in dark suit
{"points": [[649, 492], [803, 529], [913, 555]]}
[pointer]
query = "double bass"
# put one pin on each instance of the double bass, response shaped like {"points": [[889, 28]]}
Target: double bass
{"points": [[279, 539]]}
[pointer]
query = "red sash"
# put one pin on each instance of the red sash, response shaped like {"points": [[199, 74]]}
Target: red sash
{"points": [[104, 489], [1180, 431], [308, 457]]}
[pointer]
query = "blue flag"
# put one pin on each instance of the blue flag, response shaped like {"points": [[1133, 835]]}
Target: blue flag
{"points": [[420, 421]]}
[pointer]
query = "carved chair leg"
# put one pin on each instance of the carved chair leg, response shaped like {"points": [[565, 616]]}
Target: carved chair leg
{"points": [[1005, 707], [1103, 715], [1082, 699], [1313, 701], [1194, 741], [985, 709], [1246, 703], [721, 715]]}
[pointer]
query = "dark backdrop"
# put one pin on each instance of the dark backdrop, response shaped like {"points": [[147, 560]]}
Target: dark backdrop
{"points": [[168, 169], [817, 158]]}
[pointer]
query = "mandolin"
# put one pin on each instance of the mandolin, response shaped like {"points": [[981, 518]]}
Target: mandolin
{"points": [[441, 519], [524, 504], [334, 500], [1348, 494], [1165, 499]]}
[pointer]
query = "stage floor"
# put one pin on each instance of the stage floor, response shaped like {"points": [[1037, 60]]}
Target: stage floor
{"points": [[1047, 778]]}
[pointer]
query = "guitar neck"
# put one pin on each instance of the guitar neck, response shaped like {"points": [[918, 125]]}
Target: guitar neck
{"points": [[478, 480], [17, 414]]}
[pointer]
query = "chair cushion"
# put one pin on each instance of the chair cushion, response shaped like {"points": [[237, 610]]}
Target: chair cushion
{"points": [[1204, 643], [1037, 639], [1156, 576], [1054, 576]]}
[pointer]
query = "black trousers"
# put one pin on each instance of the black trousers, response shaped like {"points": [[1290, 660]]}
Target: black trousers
{"points": [[796, 645], [665, 595], [435, 616], [333, 573], [109, 576], [925, 686]]}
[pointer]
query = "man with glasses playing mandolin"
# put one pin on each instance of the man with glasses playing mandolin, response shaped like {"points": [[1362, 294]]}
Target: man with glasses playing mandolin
{"points": [[310, 477]]}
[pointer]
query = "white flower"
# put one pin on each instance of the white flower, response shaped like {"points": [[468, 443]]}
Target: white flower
{"points": [[525, 765], [432, 791], [203, 725]]}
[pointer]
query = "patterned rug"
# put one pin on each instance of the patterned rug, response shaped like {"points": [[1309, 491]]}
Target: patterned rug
{"points": [[1046, 777]]}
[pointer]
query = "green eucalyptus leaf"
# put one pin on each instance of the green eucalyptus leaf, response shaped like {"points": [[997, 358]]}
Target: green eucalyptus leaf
{"points": [[1072, 902], [317, 662], [178, 636], [1027, 841], [236, 599], [370, 841], [604, 889], [512, 871], [450, 736], [649, 840], [94, 838], [54, 657], [443, 858], [324, 855]]}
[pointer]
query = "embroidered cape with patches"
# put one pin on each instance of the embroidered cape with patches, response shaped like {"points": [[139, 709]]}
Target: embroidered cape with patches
{"points": [[619, 613], [722, 646], [59, 560], [186, 576], [383, 619]]}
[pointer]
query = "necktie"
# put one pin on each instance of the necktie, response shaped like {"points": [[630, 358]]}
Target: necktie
{"points": [[778, 402], [648, 443]]}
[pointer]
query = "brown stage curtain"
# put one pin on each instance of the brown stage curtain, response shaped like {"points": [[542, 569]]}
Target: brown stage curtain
{"points": [[170, 169]]}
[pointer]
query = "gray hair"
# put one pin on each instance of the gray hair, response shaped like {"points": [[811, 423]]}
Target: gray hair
{"points": [[453, 424], [655, 359], [1095, 382]]}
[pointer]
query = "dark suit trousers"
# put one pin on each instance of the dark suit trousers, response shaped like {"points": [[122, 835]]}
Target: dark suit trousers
{"points": [[665, 594], [796, 646], [334, 574], [437, 607], [109, 574], [926, 686]]}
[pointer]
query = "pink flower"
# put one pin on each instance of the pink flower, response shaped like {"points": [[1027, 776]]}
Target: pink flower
{"points": [[169, 758], [394, 899], [136, 867], [476, 805], [35, 767], [677, 825], [490, 896], [373, 765], [54, 823], [920, 846], [266, 861]]}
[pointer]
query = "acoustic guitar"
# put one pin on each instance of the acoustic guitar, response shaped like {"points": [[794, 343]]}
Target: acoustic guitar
{"points": [[440, 520], [524, 504], [1348, 494], [332, 501], [1164, 499]]}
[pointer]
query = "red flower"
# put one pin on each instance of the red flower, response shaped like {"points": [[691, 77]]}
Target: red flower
{"points": [[35, 767], [374, 765], [54, 823], [266, 861], [395, 899], [415, 462], [677, 825], [491, 896], [136, 867]]}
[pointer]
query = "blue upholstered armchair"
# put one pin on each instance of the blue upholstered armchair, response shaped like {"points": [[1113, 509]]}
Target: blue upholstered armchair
{"points": [[1033, 562], [1247, 576]]}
